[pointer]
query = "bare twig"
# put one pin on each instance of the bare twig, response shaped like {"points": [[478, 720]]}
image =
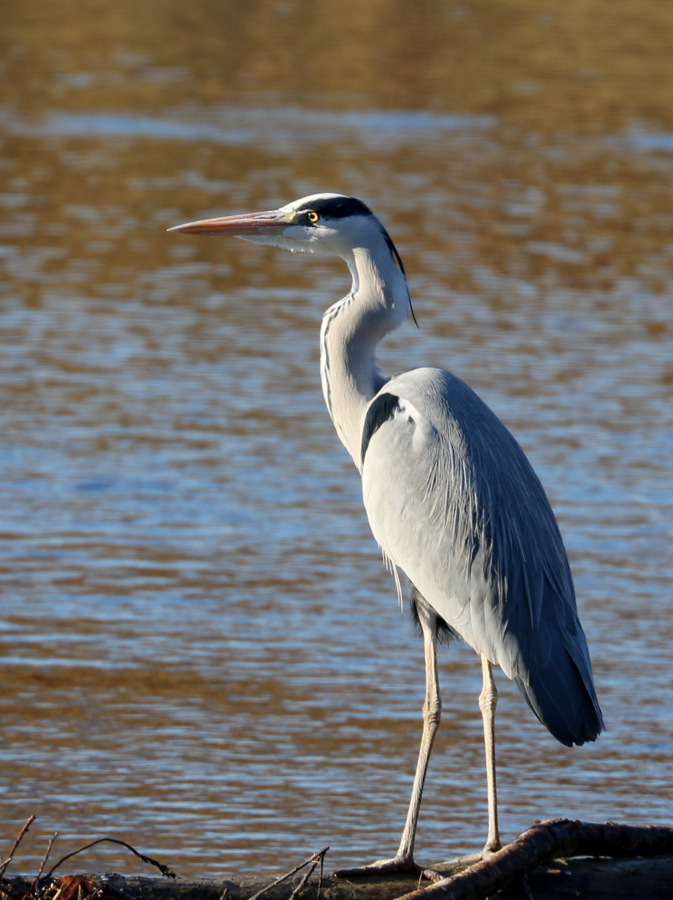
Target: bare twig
{"points": [[322, 866], [318, 858], [312, 860], [19, 838], [305, 877], [43, 863], [165, 870]]}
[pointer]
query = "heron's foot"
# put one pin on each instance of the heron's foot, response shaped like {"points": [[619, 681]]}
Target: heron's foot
{"points": [[448, 868], [490, 848], [396, 866]]}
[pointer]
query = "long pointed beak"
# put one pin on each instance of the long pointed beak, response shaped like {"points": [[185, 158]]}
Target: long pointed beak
{"points": [[272, 221]]}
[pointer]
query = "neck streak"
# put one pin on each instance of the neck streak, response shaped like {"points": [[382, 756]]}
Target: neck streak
{"points": [[377, 303]]}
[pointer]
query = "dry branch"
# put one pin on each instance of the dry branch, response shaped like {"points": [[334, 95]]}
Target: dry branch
{"points": [[165, 870], [71, 887], [50, 844], [541, 843], [19, 837], [312, 862]]}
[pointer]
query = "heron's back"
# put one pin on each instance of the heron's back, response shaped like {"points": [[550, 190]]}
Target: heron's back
{"points": [[455, 504]]}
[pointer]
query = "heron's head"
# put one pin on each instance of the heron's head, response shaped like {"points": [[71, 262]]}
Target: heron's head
{"points": [[320, 223]]}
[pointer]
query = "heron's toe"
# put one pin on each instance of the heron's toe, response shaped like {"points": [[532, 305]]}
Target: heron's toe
{"points": [[394, 866]]}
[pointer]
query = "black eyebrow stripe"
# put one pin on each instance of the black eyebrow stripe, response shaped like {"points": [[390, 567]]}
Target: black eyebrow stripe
{"points": [[336, 207]]}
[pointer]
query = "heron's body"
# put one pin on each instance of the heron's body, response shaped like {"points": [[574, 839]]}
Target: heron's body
{"points": [[450, 496], [496, 573]]}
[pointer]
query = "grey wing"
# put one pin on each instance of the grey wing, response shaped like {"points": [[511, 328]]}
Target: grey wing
{"points": [[454, 503]]}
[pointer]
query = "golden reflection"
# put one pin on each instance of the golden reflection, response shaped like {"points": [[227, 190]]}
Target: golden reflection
{"points": [[570, 65]]}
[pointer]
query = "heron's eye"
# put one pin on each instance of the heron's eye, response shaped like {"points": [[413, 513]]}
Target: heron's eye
{"points": [[312, 216]]}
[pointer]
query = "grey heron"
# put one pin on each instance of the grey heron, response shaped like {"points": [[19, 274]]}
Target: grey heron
{"points": [[450, 496]]}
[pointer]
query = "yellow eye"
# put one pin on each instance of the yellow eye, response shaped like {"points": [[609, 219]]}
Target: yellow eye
{"points": [[312, 216]]}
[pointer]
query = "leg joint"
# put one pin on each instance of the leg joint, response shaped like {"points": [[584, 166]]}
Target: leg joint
{"points": [[488, 699], [432, 711]]}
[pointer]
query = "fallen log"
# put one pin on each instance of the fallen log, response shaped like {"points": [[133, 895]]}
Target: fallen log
{"points": [[617, 862], [543, 842]]}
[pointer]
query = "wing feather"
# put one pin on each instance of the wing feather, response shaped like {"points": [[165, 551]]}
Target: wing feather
{"points": [[454, 503]]}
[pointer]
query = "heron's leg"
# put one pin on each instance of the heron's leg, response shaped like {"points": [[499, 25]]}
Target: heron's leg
{"points": [[403, 861], [487, 703], [432, 713]]}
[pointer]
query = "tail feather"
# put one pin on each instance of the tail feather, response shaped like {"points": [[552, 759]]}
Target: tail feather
{"points": [[561, 699]]}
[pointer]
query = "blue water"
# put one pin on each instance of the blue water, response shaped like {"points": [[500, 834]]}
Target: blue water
{"points": [[201, 651]]}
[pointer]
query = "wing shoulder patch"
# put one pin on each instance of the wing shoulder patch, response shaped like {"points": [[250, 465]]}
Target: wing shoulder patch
{"points": [[382, 409]]}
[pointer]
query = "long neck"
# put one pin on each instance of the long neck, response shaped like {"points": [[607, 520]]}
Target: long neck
{"points": [[378, 302]]}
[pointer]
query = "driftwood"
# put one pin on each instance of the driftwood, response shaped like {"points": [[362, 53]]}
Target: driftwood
{"points": [[621, 862], [543, 842]]}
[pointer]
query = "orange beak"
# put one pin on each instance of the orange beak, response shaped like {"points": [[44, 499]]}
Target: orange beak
{"points": [[271, 222]]}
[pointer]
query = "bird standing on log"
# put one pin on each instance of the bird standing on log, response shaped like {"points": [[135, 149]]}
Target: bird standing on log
{"points": [[450, 496]]}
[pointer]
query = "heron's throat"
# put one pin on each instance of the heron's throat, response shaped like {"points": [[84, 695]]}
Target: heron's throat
{"points": [[351, 330]]}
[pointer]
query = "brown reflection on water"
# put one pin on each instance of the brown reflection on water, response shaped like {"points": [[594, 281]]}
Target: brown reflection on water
{"points": [[565, 66], [200, 651]]}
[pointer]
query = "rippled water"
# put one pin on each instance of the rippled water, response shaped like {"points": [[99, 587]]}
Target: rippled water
{"points": [[200, 649]]}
